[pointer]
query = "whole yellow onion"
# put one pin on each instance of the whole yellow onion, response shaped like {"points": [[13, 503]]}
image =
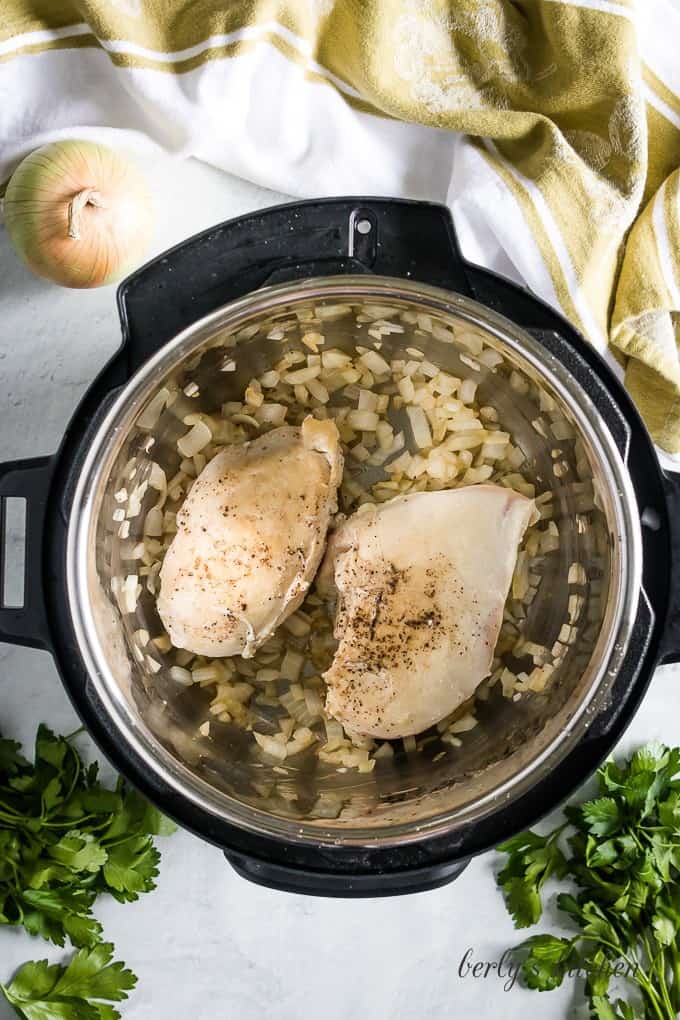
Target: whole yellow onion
{"points": [[78, 213]]}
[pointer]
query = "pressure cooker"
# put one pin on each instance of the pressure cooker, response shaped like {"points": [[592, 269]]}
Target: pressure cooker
{"points": [[418, 818]]}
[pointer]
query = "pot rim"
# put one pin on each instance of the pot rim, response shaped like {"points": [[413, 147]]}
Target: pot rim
{"points": [[612, 643]]}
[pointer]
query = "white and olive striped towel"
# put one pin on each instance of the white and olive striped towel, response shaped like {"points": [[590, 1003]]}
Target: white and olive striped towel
{"points": [[551, 127]]}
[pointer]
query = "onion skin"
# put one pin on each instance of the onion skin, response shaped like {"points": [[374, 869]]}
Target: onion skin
{"points": [[71, 238]]}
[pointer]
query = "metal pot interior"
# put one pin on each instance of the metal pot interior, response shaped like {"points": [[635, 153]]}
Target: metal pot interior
{"points": [[517, 741]]}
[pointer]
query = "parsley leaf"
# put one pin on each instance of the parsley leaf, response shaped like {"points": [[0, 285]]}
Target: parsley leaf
{"points": [[533, 859], [602, 816], [547, 961], [77, 991], [10, 759], [131, 868]]}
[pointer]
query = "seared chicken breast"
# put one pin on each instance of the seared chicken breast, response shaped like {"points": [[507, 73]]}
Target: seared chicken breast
{"points": [[420, 584], [250, 537]]}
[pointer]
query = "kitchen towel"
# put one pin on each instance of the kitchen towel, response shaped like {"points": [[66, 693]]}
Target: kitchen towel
{"points": [[550, 127]]}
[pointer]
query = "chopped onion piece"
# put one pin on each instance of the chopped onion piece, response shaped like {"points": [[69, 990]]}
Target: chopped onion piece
{"points": [[298, 624], [271, 414], [313, 341], [368, 401], [359, 452], [253, 393], [318, 391], [577, 574], [335, 359], [385, 435], [128, 593], [562, 430], [244, 419], [464, 724], [375, 363], [463, 424], [302, 375], [420, 427], [195, 440], [269, 379], [271, 746], [291, 664], [490, 358], [153, 522], [363, 421], [406, 388], [181, 676], [267, 676], [203, 673], [467, 391]]}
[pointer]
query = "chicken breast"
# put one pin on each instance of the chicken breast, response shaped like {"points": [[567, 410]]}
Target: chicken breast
{"points": [[420, 584], [250, 537]]}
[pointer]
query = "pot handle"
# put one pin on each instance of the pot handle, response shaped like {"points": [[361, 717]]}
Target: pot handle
{"points": [[28, 480], [339, 885], [670, 638], [390, 237]]}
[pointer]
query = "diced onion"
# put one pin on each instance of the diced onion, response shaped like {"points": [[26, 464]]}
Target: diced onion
{"points": [[271, 414], [128, 593], [291, 665], [375, 363], [464, 724], [363, 421], [269, 379], [181, 676], [420, 427], [467, 391], [271, 746], [318, 391], [302, 375], [195, 440]]}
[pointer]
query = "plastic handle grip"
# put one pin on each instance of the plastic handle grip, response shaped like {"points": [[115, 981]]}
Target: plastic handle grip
{"points": [[29, 480]]}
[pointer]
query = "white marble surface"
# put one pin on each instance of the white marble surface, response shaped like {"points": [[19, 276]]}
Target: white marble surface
{"points": [[207, 944]]}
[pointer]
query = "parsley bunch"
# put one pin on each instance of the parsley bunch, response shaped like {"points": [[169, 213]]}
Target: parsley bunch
{"points": [[623, 858], [64, 839]]}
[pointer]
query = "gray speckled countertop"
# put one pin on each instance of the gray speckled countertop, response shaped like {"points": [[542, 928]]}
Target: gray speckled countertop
{"points": [[206, 944]]}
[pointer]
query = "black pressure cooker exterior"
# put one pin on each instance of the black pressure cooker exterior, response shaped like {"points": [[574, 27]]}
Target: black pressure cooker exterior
{"points": [[309, 239]]}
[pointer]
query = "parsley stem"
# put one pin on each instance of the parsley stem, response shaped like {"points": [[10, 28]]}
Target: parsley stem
{"points": [[76, 773], [675, 968], [658, 963], [4, 807], [655, 999], [76, 733], [640, 977], [647, 988]]}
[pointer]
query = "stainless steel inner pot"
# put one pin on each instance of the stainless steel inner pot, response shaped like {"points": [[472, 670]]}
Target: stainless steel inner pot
{"points": [[517, 742]]}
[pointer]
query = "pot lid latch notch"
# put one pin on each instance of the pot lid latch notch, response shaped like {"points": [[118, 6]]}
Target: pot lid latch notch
{"points": [[363, 237]]}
